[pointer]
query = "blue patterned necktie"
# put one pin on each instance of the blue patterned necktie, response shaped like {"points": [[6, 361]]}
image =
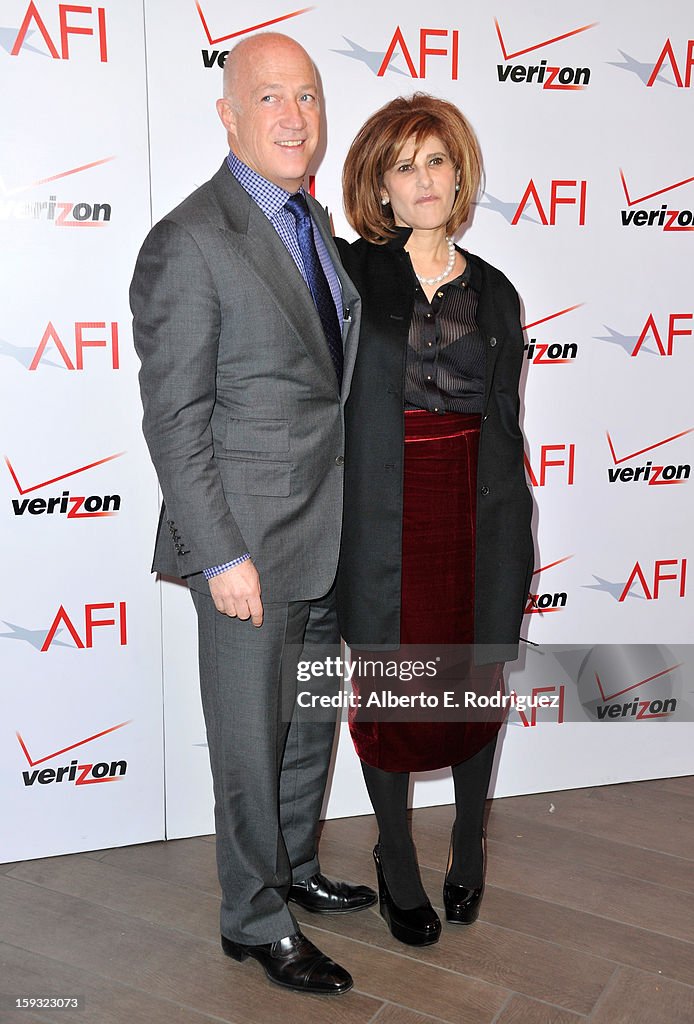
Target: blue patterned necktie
{"points": [[317, 281]]}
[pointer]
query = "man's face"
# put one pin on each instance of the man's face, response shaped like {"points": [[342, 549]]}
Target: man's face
{"points": [[273, 118]]}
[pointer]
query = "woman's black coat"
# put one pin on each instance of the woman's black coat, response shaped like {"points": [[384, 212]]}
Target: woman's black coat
{"points": [[368, 584]]}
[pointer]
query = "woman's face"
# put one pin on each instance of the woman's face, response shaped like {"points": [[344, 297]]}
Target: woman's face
{"points": [[421, 187]]}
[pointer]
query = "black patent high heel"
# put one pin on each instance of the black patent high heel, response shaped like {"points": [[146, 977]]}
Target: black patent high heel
{"points": [[420, 926], [462, 904]]}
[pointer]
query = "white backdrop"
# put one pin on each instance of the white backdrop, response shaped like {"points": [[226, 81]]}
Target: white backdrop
{"points": [[109, 121]]}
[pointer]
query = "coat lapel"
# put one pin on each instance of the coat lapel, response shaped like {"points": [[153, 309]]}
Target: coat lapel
{"points": [[254, 240]]}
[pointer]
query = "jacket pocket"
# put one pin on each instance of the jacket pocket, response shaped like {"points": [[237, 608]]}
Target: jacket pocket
{"points": [[248, 476], [244, 435]]}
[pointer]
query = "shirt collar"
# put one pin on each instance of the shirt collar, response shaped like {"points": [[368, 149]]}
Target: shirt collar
{"points": [[269, 197]]}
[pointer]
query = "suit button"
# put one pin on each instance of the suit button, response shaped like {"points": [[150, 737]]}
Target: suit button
{"points": [[485, 489], [492, 342], [340, 460]]}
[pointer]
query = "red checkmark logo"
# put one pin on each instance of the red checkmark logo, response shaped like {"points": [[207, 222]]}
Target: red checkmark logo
{"points": [[538, 46], [55, 479], [552, 316], [634, 686], [649, 195], [53, 177], [648, 448], [72, 746], [251, 28]]}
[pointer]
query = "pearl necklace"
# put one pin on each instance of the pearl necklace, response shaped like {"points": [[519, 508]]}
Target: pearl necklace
{"points": [[449, 266]]}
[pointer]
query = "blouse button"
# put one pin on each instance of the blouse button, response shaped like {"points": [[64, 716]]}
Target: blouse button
{"points": [[492, 342], [440, 294], [485, 489], [428, 316]]}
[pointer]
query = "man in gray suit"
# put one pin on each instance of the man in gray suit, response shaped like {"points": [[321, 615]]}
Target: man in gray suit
{"points": [[246, 326]]}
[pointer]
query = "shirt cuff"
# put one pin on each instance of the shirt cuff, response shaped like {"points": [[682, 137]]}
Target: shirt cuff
{"points": [[217, 569]]}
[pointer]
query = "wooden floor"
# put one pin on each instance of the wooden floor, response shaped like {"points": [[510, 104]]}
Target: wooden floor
{"points": [[588, 916]]}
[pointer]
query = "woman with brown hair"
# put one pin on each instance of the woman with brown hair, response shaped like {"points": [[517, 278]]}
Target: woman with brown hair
{"points": [[436, 542]]}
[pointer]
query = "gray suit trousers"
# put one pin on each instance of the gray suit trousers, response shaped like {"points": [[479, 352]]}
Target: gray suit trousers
{"points": [[269, 757]]}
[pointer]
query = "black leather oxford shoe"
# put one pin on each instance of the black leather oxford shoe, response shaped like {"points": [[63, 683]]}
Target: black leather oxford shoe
{"points": [[295, 963], [321, 895]]}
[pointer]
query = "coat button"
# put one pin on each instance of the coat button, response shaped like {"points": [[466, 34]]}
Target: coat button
{"points": [[340, 460], [492, 342], [485, 489]]}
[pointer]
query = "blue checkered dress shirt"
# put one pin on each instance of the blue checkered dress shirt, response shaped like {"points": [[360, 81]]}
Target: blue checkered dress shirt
{"points": [[271, 199]]}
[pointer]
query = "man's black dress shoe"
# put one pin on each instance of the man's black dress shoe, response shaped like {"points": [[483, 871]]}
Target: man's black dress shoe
{"points": [[419, 926], [295, 963], [321, 895]]}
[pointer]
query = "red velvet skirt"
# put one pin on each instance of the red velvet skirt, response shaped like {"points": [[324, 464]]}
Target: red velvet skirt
{"points": [[438, 591]]}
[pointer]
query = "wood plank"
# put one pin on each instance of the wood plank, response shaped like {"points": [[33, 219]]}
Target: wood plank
{"points": [[499, 956], [577, 810], [106, 1002], [630, 944], [391, 1014], [590, 933], [683, 784], [189, 862], [521, 1010], [184, 909], [164, 963], [411, 977], [605, 893], [599, 853], [638, 998], [152, 899]]}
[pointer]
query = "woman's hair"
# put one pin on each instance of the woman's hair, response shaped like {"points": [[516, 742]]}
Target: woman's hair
{"points": [[377, 146]]}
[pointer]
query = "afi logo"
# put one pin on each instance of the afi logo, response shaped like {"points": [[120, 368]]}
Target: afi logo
{"points": [[665, 570], [542, 353], [665, 337], [545, 75], [549, 601], [79, 774], [544, 697], [107, 340], [416, 52], [648, 473], [660, 217], [91, 622], [566, 459], [562, 192], [59, 44], [72, 506], [668, 57], [422, 49]]}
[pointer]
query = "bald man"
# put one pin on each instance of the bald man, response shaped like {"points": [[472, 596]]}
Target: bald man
{"points": [[246, 326]]}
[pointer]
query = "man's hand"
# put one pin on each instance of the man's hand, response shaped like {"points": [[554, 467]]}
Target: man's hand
{"points": [[236, 593]]}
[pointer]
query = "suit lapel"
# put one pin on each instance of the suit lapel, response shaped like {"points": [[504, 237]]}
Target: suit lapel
{"points": [[254, 240]]}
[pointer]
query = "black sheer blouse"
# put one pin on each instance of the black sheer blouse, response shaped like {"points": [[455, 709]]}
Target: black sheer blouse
{"points": [[445, 352]]}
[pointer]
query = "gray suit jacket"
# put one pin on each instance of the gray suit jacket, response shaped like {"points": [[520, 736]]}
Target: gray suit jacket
{"points": [[242, 412]]}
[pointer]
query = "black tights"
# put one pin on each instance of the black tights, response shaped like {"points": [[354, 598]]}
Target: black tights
{"points": [[388, 794]]}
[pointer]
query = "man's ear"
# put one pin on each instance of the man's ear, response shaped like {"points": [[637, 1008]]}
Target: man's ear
{"points": [[227, 115]]}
